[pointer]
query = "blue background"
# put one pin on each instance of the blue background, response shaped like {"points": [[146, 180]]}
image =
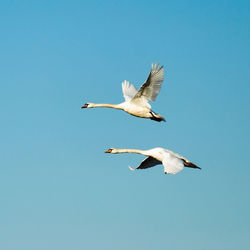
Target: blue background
{"points": [[58, 190]]}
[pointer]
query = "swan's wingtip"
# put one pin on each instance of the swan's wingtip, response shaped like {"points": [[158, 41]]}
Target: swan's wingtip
{"points": [[131, 168]]}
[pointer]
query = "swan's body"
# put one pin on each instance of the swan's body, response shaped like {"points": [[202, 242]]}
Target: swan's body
{"points": [[172, 162], [136, 102]]}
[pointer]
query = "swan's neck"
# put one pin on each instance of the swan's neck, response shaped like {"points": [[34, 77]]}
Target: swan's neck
{"points": [[136, 151], [114, 106]]}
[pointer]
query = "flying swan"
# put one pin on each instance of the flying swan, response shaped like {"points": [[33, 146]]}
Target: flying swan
{"points": [[136, 102], [172, 162]]}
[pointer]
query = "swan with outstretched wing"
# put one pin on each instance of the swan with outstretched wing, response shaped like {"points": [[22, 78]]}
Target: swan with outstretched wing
{"points": [[136, 102], [171, 161]]}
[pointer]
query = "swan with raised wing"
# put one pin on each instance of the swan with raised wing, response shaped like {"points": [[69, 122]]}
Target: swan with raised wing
{"points": [[172, 162], [136, 102]]}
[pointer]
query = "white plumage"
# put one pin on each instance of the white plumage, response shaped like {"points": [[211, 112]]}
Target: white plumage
{"points": [[171, 161], [136, 102]]}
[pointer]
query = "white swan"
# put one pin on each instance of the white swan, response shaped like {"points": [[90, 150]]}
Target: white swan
{"points": [[136, 102], [172, 162]]}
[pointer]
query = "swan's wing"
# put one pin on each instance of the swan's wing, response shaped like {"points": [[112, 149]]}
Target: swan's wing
{"points": [[129, 90], [172, 164], [151, 88], [149, 162], [172, 155]]}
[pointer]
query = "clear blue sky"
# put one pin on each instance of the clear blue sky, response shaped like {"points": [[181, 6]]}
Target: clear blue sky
{"points": [[58, 190]]}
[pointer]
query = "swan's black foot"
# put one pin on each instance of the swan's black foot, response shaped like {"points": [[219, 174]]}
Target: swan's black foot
{"points": [[156, 117]]}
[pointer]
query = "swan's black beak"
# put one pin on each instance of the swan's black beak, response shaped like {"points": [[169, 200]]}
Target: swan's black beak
{"points": [[108, 151], [85, 106]]}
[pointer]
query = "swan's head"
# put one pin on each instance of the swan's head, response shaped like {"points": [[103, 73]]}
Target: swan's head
{"points": [[88, 105], [111, 151]]}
